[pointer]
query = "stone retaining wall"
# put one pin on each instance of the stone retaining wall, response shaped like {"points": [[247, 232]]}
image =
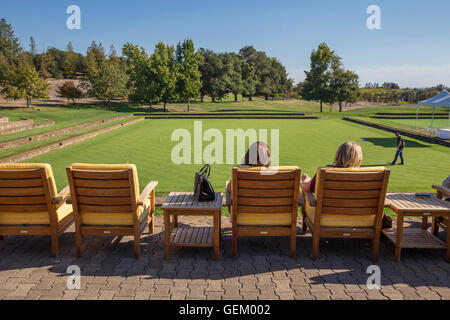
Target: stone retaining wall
{"points": [[64, 143], [402, 132], [22, 125], [46, 135]]}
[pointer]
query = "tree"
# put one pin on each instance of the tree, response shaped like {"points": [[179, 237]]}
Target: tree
{"points": [[95, 57], [23, 82], [236, 82], [46, 64], [69, 91], [343, 84], [215, 70], [315, 86], [70, 62], [109, 83], [141, 80], [9, 44], [249, 80], [188, 76], [163, 72]]}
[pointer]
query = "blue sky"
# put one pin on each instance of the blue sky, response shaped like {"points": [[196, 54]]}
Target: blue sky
{"points": [[412, 47]]}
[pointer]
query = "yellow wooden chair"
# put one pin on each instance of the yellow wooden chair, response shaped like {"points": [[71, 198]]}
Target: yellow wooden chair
{"points": [[347, 203], [440, 222], [106, 201], [30, 204], [265, 203]]}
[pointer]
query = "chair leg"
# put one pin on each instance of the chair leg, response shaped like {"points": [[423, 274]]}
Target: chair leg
{"points": [[55, 245], [293, 245], [79, 244], [304, 225], [315, 250], [434, 227], [151, 223], [234, 244], [137, 246]]}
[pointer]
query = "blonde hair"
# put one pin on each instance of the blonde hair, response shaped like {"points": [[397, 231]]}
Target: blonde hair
{"points": [[349, 155]]}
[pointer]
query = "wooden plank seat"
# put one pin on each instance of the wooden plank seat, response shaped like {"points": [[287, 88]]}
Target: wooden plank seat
{"points": [[106, 201], [347, 203], [30, 204], [265, 203]]}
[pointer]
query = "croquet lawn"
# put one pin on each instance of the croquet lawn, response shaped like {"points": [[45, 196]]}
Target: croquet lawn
{"points": [[305, 143]]}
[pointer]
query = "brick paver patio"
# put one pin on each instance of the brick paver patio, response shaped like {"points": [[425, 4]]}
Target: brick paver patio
{"points": [[262, 271]]}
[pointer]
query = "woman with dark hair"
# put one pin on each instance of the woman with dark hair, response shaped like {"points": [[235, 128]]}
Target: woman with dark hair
{"points": [[258, 155]]}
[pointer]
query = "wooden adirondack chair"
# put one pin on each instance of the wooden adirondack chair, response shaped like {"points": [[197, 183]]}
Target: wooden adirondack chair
{"points": [[348, 203], [106, 201], [30, 204], [437, 223], [265, 203]]}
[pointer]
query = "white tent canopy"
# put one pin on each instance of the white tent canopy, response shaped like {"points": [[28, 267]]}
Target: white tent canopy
{"points": [[441, 100]]}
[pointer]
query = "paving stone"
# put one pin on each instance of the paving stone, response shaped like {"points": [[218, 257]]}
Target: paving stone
{"points": [[263, 270]]}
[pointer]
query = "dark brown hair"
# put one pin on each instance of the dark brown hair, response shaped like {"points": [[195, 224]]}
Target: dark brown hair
{"points": [[258, 155]]}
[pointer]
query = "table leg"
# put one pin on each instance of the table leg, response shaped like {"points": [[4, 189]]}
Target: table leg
{"points": [[175, 220], [166, 234], [217, 235], [398, 242], [425, 223]]}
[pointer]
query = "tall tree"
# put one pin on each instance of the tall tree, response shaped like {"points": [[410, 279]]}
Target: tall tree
{"points": [[315, 86], [215, 70], [249, 80], [70, 62], [236, 82], [162, 64], [109, 83], [9, 44], [188, 76], [141, 81], [343, 84], [23, 82]]}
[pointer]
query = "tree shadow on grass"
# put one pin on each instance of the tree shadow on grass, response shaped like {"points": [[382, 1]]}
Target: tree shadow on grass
{"points": [[392, 143]]}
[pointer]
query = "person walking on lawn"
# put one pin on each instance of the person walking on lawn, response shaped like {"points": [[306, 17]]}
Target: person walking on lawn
{"points": [[400, 147]]}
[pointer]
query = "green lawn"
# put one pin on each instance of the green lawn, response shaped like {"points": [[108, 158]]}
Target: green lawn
{"points": [[63, 116], [306, 143]]}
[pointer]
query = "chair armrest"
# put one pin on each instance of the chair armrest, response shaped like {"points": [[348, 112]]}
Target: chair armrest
{"points": [[61, 197], [309, 198], [149, 188], [442, 189]]}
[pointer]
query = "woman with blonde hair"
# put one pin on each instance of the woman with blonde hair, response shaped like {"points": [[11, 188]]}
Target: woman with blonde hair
{"points": [[349, 155]]}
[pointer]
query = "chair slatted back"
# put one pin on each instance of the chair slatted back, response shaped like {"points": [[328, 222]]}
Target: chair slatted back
{"points": [[352, 191], [25, 190], [266, 192], [102, 191]]}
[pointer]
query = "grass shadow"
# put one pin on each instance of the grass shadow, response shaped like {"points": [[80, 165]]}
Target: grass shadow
{"points": [[392, 143]]}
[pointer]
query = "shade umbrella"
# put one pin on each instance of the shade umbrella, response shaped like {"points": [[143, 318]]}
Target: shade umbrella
{"points": [[440, 100]]}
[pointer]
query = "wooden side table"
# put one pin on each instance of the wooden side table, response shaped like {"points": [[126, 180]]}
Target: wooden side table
{"points": [[407, 204], [182, 203]]}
